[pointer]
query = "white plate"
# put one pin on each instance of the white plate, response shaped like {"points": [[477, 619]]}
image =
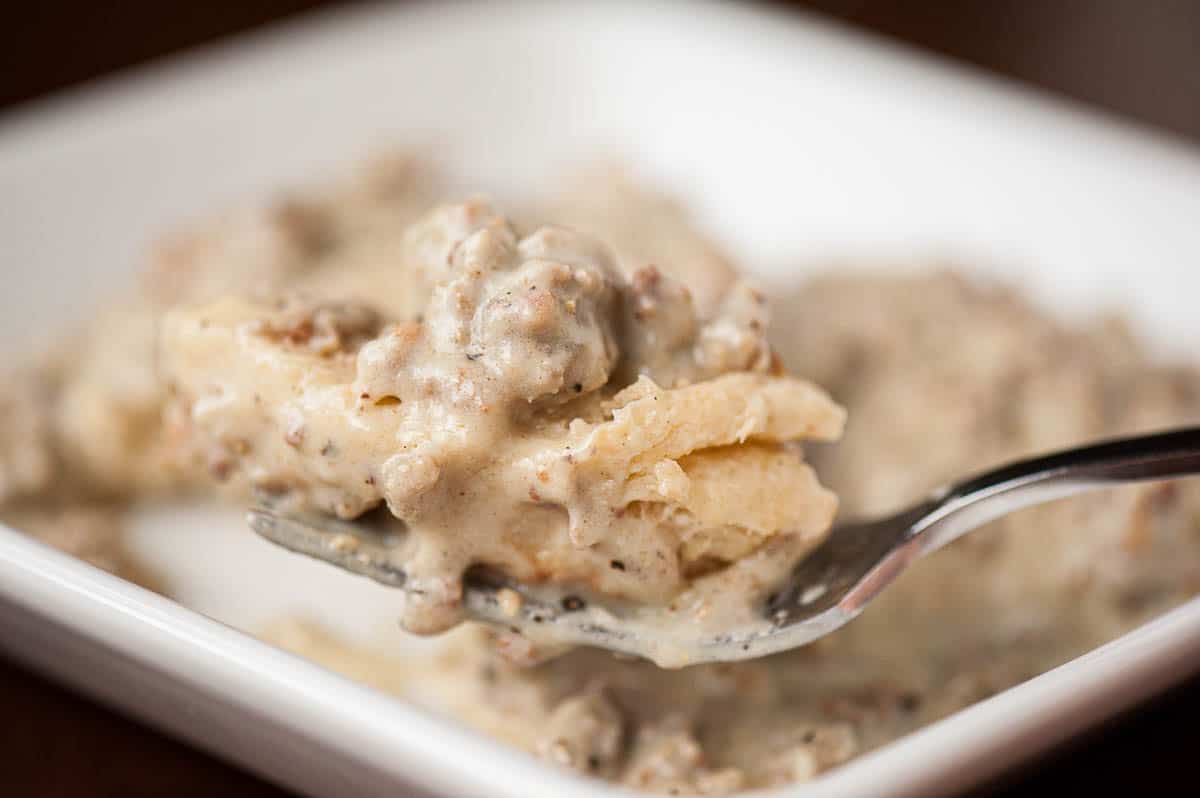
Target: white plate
{"points": [[799, 142]]}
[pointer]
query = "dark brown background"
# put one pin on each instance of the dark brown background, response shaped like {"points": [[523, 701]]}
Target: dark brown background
{"points": [[1138, 59]]}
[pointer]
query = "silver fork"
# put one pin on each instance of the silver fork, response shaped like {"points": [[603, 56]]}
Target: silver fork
{"points": [[828, 588]]}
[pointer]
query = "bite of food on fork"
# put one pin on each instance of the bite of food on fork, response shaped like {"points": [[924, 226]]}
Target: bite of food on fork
{"points": [[526, 409]]}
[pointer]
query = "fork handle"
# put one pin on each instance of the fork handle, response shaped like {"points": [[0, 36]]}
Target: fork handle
{"points": [[969, 504]]}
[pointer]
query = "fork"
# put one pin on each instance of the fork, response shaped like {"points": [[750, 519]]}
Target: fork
{"points": [[827, 588]]}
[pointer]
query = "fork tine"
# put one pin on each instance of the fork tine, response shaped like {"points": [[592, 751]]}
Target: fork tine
{"points": [[335, 543]]}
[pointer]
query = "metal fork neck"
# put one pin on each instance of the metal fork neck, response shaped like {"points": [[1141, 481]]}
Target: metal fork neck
{"points": [[974, 502]]}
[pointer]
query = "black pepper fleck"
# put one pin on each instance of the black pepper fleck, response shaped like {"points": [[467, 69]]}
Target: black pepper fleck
{"points": [[573, 603], [616, 565], [578, 387]]}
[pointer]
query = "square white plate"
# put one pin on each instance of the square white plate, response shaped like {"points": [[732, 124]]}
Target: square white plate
{"points": [[798, 141]]}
